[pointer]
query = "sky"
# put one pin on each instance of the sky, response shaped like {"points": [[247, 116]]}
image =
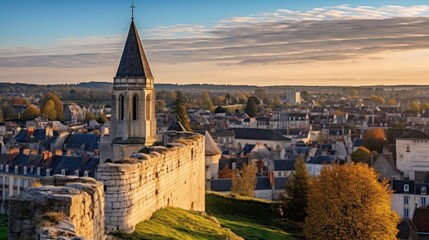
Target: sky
{"points": [[252, 42]]}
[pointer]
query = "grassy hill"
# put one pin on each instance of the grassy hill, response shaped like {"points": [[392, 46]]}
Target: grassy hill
{"points": [[174, 223], [250, 218], [239, 218]]}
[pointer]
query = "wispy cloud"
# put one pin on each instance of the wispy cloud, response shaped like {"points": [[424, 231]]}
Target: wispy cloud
{"points": [[281, 37]]}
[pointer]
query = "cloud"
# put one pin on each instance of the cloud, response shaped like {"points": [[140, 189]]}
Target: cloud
{"points": [[282, 37]]}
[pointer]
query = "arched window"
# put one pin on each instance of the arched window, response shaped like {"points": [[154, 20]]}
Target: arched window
{"points": [[135, 106], [121, 107], [148, 107]]}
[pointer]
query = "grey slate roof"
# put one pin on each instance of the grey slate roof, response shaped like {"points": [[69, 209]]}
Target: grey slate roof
{"points": [[258, 134], [280, 183], [284, 165], [134, 62]]}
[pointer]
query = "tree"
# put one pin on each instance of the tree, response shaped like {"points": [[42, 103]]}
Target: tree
{"points": [[31, 112], [251, 107], [260, 93], [414, 105], [58, 105], [89, 116], [226, 172], [277, 102], [294, 202], [391, 101], [206, 101], [348, 202], [374, 139], [362, 154], [377, 99], [244, 181], [7, 112], [102, 118], [49, 110], [159, 105], [305, 96], [180, 109]]}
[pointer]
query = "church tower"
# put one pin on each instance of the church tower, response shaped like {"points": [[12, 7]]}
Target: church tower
{"points": [[133, 120]]}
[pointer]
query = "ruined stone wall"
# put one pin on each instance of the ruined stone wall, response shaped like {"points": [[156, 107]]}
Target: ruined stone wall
{"points": [[168, 177], [79, 200]]}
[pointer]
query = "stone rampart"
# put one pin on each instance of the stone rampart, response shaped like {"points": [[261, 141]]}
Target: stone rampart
{"points": [[167, 177], [65, 206]]}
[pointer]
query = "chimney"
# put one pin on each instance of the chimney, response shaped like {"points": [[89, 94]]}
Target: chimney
{"points": [[97, 152], [33, 152], [46, 155], [59, 152], [26, 151], [68, 153]]}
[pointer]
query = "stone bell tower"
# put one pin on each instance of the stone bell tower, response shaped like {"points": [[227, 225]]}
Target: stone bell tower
{"points": [[133, 121]]}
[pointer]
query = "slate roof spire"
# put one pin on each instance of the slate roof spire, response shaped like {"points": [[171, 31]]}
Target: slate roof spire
{"points": [[134, 63]]}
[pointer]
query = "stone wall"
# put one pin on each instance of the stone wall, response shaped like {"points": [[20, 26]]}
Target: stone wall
{"points": [[79, 200], [167, 177]]}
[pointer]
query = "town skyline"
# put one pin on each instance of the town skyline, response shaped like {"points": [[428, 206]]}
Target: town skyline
{"points": [[346, 43]]}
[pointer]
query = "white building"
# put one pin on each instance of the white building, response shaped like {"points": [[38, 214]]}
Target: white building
{"points": [[412, 154], [407, 196]]}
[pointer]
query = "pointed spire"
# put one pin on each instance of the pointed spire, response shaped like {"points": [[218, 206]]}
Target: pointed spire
{"points": [[134, 62]]}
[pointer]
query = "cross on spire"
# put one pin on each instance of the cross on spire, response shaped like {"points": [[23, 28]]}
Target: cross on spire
{"points": [[132, 9]]}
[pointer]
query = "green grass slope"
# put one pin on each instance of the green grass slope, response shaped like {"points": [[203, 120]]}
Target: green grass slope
{"points": [[3, 227], [249, 218], [174, 223]]}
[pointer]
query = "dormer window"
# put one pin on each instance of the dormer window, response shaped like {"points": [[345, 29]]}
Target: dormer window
{"points": [[1, 167], [76, 173], [38, 171], [63, 172], [7, 168], [25, 170], [86, 174], [48, 172], [423, 190], [16, 169], [406, 188]]}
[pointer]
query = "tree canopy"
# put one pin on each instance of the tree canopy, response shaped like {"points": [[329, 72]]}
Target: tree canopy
{"points": [[374, 139], [181, 111], [58, 106], [244, 181], [294, 202], [49, 110], [251, 107], [348, 202], [362, 154], [30, 113]]}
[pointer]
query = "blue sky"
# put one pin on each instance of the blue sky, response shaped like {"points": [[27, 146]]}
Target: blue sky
{"points": [[34, 22], [261, 42]]}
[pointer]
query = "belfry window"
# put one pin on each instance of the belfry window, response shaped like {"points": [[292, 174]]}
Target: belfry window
{"points": [[121, 107], [135, 106], [148, 107]]}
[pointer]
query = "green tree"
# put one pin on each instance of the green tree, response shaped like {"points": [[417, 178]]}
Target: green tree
{"points": [[49, 110], [181, 111], [7, 112], [362, 154], [102, 118], [31, 112], [58, 105], [251, 107], [244, 181], [294, 202], [348, 202]]}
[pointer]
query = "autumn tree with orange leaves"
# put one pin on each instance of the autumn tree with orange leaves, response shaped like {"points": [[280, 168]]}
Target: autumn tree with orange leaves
{"points": [[348, 202], [374, 139]]}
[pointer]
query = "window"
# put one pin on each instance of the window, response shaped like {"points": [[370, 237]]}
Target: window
{"points": [[16, 169], [406, 200], [423, 190], [406, 188], [406, 213], [148, 107], [423, 201], [279, 174], [121, 107], [135, 106], [86, 173], [63, 172], [48, 172], [25, 170], [38, 171], [76, 173], [7, 168]]}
